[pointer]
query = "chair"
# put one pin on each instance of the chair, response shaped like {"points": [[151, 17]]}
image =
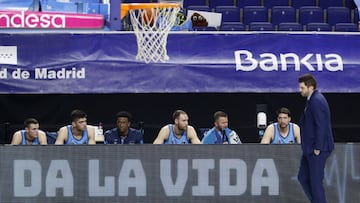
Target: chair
{"points": [[243, 3], [346, 27], [214, 3], [51, 137], [311, 14], [356, 16], [350, 4], [199, 8], [202, 131], [187, 3], [300, 3], [290, 27], [338, 15], [282, 14], [330, 3], [272, 3], [255, 14], [261, 26], [232, 26], [229, 13], [318, 27]]}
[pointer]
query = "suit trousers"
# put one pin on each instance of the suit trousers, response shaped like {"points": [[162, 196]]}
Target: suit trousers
{"points": [[311, 175]]}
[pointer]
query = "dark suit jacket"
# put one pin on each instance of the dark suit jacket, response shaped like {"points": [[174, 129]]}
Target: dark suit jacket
{"points": [[315, 125]]}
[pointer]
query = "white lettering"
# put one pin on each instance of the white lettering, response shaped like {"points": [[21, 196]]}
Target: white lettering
{"points": [[40, 73], [271, 180], [248, 59], [305, 62], [171, 188], [203, 166], [31, 20], [59, 175], [63, 73], [13, 20], [95, 190], [295, 59], [27, 178], [7, 19], [228, 176], [45, 21], [20, 74], [269, 58], [245, 61], [3, 73], [132, 175], [60, 19], [319, 62], [334, 63], [232, 185]]}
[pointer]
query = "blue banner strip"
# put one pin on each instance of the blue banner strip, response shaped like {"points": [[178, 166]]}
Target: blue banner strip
{"points": [[199, 62]]}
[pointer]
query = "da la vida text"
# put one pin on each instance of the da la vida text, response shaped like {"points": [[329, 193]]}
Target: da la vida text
{"points": [[43, 73]]}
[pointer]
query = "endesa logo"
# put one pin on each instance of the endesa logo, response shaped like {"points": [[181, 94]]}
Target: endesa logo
{"points": [[24, 19]]}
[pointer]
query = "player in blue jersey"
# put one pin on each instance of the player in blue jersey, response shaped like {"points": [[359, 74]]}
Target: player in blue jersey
{"points": [[78, 132], [178, 133], [283, 131], [221, 133], [31, 135], [123, 134]]}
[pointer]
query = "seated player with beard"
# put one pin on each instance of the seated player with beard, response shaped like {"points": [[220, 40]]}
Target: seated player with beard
{"points": [[283, 131]]}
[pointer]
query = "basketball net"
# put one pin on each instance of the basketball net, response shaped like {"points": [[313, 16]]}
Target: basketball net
{"points": [[151, 27]]}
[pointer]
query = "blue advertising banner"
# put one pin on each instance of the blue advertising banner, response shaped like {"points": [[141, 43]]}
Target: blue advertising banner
{"points": [[199, 62]]}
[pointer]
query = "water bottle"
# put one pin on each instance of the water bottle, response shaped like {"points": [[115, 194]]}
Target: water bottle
{"points": [[100, 129], [234, 138]]}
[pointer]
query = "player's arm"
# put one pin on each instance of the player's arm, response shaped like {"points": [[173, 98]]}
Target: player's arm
{"points": [[62, 136], [207, 139], [91, 134], [42, 137], [16, 139], [192, 136], [297, 134], [268, 135], [163, 135]]}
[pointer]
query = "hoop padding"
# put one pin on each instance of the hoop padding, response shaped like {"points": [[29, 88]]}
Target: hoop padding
{"points": [[152, 25]]}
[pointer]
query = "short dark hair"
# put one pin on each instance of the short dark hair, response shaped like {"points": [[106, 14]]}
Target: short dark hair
{"points": [[308, 80], [29, 121], [284, 111], [177, 113], [77, 114], [219, 114], [124, 114]]}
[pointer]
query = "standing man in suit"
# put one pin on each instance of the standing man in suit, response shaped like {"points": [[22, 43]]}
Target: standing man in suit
{"points": [[316, 139]]}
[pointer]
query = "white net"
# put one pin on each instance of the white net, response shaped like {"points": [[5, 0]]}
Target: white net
{"points": [[151, 27]]}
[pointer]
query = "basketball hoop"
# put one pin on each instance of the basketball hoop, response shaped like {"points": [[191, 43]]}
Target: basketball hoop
{"points": [[151, 23]]}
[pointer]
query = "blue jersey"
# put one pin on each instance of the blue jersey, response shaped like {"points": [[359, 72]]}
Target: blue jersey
{"points": [[289, 139], [23, 141], [213, 136], [72, 140], [174, 140], [133, 137]]}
